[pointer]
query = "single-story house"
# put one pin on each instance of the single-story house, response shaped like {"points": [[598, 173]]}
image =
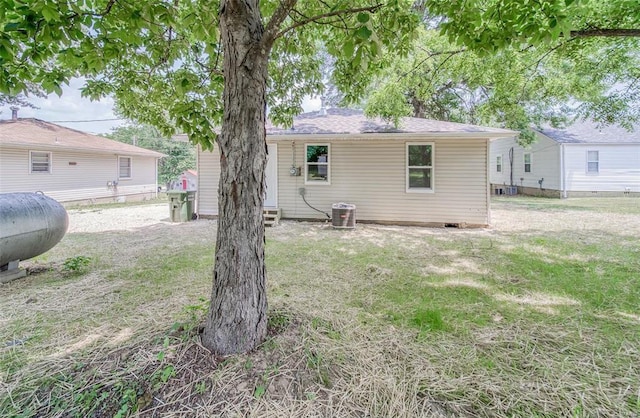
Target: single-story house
{"points": [[581, 160], [187, 180], [423, 172], [73, 166]]}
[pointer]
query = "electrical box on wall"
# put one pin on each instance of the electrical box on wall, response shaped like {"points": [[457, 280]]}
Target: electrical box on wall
{"points": [[294, 171]]}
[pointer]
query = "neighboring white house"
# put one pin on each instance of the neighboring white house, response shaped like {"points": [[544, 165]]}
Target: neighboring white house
{"points": [[70, 165], [425, 172], [581, 160]]}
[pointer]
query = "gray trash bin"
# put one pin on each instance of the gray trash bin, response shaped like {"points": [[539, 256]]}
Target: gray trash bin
{"points": [[343, 216]]}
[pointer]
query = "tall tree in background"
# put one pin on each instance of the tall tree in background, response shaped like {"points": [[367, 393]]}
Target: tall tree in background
{"points": [[192, 65], [518, 89], [505, 80], [181, 156]]}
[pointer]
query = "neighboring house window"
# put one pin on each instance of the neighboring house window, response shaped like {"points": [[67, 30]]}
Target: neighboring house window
{"points": [[40, 161], [593, 161], [420, 167], [527, 163], [499, 163], [124, 164], [317, 164]]}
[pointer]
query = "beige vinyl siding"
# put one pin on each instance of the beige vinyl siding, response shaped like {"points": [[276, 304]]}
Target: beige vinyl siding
{"points": [[86, 179], [208, 177], [372, 175], [619, 168]]}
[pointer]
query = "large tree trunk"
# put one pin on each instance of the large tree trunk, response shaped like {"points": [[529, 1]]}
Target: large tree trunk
{"points": [[237, 320]]}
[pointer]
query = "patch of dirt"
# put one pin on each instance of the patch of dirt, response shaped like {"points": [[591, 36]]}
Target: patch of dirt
{"points": [[576, 221]]}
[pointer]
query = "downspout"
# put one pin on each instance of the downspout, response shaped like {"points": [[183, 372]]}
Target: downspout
{"points": [[488, 180], [563, 182], [511, 167]]}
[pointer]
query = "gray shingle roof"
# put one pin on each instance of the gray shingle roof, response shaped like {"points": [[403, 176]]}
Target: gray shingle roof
{"points": [[349, 121], [585, 132]]}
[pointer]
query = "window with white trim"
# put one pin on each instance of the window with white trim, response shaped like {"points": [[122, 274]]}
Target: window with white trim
{"points": [[499, 163], [593, 162], [124, 167], [420, 167], [317, 164], [40, 162], [527, 162]]}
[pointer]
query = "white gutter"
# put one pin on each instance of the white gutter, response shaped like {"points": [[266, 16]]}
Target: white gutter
{"points": [[142, 152], [384, 136]]}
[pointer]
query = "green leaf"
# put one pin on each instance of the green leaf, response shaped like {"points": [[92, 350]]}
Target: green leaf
{"points": [[363, 17], [364, 32], [347, 48], [49, 13], [11, 27], [260, 391]]}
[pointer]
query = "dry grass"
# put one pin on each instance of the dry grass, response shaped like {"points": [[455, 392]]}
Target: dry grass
{"points": [[536, 317]]}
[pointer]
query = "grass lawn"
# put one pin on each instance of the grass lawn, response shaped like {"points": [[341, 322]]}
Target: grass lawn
{"points": [[539, 316]]}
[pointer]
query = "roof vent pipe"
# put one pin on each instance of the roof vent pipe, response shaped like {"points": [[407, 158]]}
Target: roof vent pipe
{"points": [[323, 110], [14, 112]]}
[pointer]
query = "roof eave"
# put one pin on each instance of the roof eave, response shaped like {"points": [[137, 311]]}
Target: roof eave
{"points": [[49, 147], [382, 136]]}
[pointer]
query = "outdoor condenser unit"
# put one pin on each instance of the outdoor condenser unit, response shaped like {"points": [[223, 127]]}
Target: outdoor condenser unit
{"points": [[343, 216]]}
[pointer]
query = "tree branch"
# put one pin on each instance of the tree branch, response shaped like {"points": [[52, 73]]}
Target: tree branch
{"points": [[586, 33], [370, 9], [281, 13]]}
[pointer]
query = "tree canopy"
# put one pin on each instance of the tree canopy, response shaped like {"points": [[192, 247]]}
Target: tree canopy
{"points": [[489, 25], [162, 60], [517, 88]]}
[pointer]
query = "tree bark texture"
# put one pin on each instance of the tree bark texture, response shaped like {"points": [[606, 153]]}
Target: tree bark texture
{"points": [[237, 320]]}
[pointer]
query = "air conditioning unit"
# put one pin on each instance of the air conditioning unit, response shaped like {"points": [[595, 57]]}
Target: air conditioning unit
{"points": [[343, 216], [512, 190]]}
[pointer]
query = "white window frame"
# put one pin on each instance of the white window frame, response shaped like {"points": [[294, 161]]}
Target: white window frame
{"points": [[524, 162], [49, 162], [120, 177], [596, 161], [326, 182], [432, 167], [499, 161]]}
